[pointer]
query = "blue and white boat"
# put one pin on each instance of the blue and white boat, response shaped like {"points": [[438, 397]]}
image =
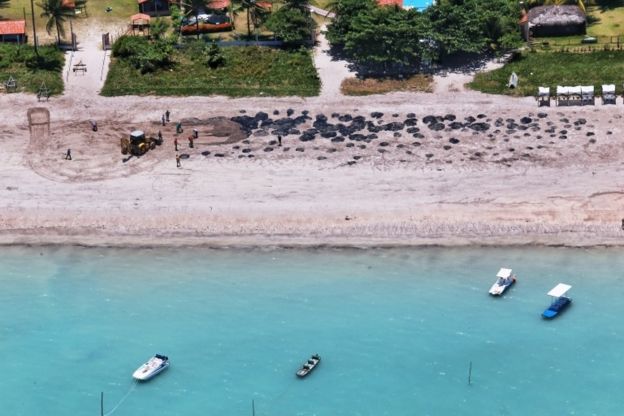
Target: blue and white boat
{"points": [[151, 368], [559, 301], [504, 279]]}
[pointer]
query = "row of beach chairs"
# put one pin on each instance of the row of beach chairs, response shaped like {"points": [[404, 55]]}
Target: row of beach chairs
{"points": [[579, 95]]}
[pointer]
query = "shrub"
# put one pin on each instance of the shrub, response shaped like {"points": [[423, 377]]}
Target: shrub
{"points": [[127, 46], [214, 56], [144, 55]]}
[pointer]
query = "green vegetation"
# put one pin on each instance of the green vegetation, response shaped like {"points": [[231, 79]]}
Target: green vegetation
{"points": [[397, 40], [30, 70], [552, 69], [605, 22], [292, 22], [384, 42], [243, 71]]}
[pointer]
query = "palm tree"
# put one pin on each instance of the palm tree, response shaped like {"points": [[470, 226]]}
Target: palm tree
{"points": [[56, 13], [255, 9]]}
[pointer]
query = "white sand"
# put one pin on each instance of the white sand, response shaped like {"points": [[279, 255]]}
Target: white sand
{"points": [[567, 193]]}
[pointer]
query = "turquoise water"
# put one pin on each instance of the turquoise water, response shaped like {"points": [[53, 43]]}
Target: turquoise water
{"points": [[419, 4], [397, 330]]}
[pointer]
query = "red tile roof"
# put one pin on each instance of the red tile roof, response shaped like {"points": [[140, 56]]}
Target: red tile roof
{"points": [[13, 27], [139, 16], [390, 3]]}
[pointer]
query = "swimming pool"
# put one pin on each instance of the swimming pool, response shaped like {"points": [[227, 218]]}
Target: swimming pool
{"points": [[419, 4]]}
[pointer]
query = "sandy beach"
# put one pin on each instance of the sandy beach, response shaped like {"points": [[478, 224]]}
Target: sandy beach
{"points": [[455, 167], [534, 176]]}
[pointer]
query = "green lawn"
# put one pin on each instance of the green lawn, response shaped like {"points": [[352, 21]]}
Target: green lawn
{"points": [[249, 71], [552, 69], [13, 63], [96, 9], [607, 23]]}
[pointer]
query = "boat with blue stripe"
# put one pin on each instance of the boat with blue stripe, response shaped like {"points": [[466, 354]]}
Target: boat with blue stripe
{"points": [[559, 301]]}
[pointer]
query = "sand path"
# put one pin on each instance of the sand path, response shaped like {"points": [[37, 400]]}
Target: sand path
{"points": [[332, 72]]}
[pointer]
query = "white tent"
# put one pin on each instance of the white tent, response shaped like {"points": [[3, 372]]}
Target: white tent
{"points": [[559, 290], [504, 273]]}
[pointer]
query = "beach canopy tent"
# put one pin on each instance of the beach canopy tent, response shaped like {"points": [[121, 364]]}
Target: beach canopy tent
{"points": [[13, 31], [140, 22], [562, 95], [543, 96], [560, 290], [574, 95], [504, 273], [587, 94], [608, 94]]}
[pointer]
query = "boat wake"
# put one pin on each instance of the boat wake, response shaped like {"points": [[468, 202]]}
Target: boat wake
{"points": [[123, 399]]}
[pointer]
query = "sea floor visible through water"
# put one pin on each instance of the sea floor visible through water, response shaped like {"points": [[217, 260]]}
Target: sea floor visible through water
{"points": [[397, 330]]}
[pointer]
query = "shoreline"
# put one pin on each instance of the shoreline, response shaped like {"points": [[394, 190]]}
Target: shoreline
{"points": [[570, 237]]}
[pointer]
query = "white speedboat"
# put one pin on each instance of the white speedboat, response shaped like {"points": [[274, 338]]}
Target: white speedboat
{"points": [[152, 367], [504, 279]]}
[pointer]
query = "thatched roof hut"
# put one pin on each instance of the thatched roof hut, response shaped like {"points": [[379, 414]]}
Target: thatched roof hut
{"points": [[556, 21]]}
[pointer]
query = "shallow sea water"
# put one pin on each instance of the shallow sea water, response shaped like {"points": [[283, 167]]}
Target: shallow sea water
{"points": [[396, 330]]}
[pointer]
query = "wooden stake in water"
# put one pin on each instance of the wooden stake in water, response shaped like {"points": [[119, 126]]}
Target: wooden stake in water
{"points": [[102, 404], [253, 408], [470, 374]]}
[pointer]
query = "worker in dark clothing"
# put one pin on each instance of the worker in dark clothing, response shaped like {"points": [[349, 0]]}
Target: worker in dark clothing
{"points": [[175, 142], [68, 155], [279, 141], [178, 164], [167, 113], [190, 139], [163, 119]]}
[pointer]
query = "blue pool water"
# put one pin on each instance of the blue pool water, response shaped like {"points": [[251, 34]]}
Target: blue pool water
{"points": [[419, 4], [397, 330]]}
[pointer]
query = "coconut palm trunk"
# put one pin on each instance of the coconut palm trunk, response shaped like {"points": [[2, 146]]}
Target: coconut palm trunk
{"points": [[56, 14]]}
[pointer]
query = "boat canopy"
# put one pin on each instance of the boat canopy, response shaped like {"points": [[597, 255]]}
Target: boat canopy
{"points": [[504, 273], [559, 290]]}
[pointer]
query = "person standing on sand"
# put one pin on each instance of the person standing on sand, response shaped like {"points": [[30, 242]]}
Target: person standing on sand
{"points": [[178, 164], [175, 142], [163, 119], [167, 113], [68, 155], [279, 141], [190, 139]]}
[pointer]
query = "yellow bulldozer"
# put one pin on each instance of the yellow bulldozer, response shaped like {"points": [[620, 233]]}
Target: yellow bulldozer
{"points": [[138, 143]]}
